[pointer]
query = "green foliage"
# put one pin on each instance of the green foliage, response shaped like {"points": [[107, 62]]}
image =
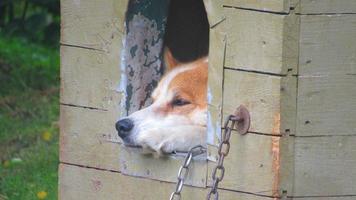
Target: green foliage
{"points": [[29, 110], [24, 65], [32, 19]]}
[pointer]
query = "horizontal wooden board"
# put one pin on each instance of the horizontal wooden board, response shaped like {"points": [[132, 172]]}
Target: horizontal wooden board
{"points": [[90, 184], [326, 6], [326, 105], [260, 93], [88, 137], [280, 6], [254, 41], [90, 78], [135, 163], [253, 164], [327, 44], [325, 166], [93, 25]]}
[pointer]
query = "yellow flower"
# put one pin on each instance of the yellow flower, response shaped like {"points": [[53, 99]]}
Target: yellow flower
{"points": [[6, 164], [46, 136], [42, 194]]}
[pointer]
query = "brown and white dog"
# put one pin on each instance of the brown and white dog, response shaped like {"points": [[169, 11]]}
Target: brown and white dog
{"points": [[176, 121]]}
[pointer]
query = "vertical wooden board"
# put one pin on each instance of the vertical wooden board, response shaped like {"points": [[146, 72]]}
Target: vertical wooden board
{"points": [[135, 163], [260, 93], [328, 45], [326, 105], [215, 83], [326, 6], [255, 41], [88, 137], [325, 166], [89, 78], [90, 184], [290, 47], [93, 25], [252, 165], [280, 6], [214, 11]]}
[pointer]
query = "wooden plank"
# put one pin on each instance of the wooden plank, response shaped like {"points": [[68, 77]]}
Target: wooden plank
{"points": [[280, 6], [252, 169], [215, 83], [214, 11], [90, 78], [258, 92], [271, 101], [134, 163], [255, 41], [93, 25], [326, 6], [325, 166], [88, 137], [326, 105], [90, 184], [328, 45]]}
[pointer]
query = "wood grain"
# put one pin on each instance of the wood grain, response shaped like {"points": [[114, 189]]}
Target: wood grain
{"points": [[90, 78], [326, 6], [327, 45], [88, 137], [325, 166], [255, 41], [326, 105], [92, 25], [258, 92], [90, 184]]}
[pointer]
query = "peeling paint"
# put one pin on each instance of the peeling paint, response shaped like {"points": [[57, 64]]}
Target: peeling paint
{"points": [[141, 62]]}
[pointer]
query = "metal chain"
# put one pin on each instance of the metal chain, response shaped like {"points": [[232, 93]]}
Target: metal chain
{"points": [[224, 148], [184, 169]]}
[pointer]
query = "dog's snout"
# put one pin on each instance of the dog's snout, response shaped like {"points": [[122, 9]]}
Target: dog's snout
{"points": [[124, 126]]}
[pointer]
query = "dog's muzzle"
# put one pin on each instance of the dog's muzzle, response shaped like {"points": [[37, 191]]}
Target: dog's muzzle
{"points": [[124, 127]]}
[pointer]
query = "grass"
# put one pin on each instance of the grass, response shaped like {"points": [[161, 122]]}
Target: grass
{"points": [[28, 120]]}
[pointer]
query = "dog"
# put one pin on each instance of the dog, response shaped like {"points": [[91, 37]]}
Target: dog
{"points": [[176, 120]]}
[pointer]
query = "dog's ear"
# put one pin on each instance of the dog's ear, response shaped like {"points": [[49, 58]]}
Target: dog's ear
{"points": [[169, 60]]}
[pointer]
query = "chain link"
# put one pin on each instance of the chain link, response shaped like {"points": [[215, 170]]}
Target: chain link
{"points": [[224, 148], [219, 170], [184, 169]]}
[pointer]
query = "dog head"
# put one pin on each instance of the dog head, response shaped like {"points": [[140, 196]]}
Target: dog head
{"points": [[176, 121]]}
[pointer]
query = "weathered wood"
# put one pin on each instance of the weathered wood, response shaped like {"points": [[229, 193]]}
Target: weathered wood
{"points": [[252, 164], [214, 11], [268, 168], [90, 184], [134, 163], [326, 105], [325, 166], [328, 45], [255, 41], [88, 137], [215, 83], [90, 78], [93, 25], [259, 93], [326, 6], [280, 6]]}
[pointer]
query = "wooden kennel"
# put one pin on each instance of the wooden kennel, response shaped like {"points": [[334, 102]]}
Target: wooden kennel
{"points": [[292, 63]]}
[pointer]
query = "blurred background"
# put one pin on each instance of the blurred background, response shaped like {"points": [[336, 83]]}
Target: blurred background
{"points": [[29, 98]]}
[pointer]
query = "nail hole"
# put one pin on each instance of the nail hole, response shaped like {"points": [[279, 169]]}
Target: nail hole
{"points": [[307, 122]]}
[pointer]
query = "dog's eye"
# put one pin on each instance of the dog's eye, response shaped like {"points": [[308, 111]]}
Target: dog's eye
{"points": [[180, 102]]}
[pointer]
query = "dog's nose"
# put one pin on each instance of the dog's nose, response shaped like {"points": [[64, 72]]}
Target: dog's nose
{"points": [[124, 126]]}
